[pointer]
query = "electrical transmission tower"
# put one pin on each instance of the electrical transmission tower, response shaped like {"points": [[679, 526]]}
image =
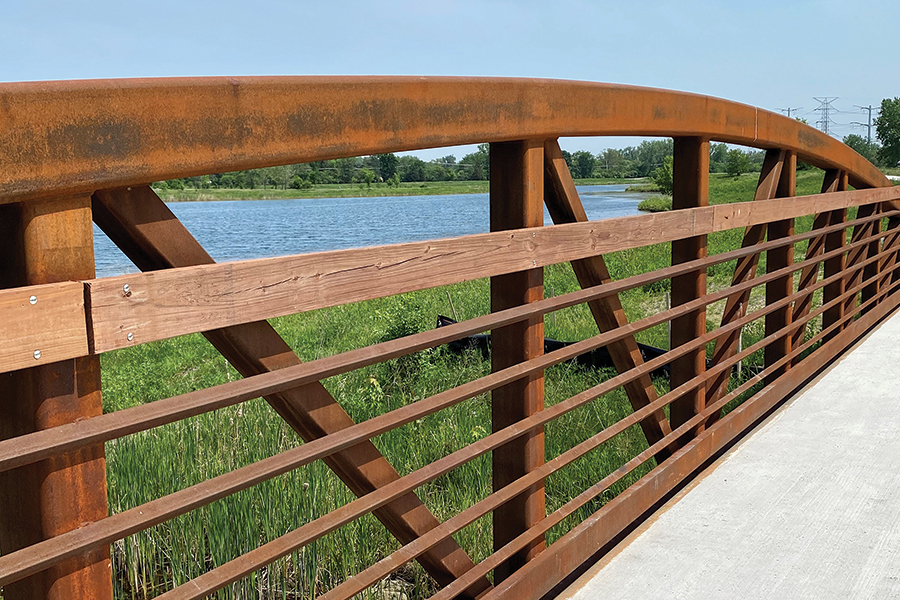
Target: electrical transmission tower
{"points": [[869, 108], [825, 108]]}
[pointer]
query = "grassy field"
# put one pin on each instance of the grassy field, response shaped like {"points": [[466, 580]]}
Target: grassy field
{"points": [[149, 465], [346, 190]]}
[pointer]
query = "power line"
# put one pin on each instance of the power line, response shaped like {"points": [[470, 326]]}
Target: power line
{"points": [[869, 108], [789, 109], [825, 108]]}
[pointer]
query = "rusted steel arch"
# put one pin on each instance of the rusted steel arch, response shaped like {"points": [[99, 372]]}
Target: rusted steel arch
{"points": [[80, 136]]}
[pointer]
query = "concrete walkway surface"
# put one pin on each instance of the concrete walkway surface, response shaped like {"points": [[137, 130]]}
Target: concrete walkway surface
{"points": [[807, 508]]}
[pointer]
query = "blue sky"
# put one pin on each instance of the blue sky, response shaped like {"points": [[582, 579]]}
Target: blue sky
{"points": [[772, 54]]}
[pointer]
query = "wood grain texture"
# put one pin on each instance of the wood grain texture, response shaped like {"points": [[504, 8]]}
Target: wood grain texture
{"points": [[187, 300], [147, 231], [54, 325]]}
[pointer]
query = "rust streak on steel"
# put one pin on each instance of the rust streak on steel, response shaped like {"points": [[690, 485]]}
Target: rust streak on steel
{"points": [[46, 242], [147, 231], [81, 136], [564, 206]]}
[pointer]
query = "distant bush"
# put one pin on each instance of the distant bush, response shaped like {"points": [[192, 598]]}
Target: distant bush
{"points": [[656, 204]]}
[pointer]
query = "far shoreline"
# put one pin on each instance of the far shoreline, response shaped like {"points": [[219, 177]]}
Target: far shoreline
{"points": [[378, 190]]}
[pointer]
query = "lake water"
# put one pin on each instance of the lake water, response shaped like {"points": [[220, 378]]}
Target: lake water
{"points": [[241, 229]]}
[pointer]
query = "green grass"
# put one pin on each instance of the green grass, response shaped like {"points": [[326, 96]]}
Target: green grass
{"points": [[656, 204], [151, 464], [346, 190]]}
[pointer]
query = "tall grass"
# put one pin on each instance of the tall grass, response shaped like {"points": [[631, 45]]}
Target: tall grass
{"points": [[148, 465]]}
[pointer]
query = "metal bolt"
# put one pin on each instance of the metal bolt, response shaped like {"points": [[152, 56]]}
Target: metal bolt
{"points": [[37, 354], [127, 289], [534, 263], [33, 299], [130, 336]]}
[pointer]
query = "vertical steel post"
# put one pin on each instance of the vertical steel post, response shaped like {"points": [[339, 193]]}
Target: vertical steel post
{"points": [[49, 241], [834, 181], [516, 192], [776, 259], [690, 173]]}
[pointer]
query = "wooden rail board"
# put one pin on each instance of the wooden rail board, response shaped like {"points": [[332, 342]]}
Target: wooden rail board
{"points": [[564, 206], [147, 231], [42, 324], [174, 302]]}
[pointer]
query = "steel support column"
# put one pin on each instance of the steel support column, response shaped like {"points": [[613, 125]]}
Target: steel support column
{"points": [[516, 189], [44, 242], [690, 178]]}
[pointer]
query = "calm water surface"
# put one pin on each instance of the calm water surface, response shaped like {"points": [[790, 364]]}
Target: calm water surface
{"points": [[240, 229]]}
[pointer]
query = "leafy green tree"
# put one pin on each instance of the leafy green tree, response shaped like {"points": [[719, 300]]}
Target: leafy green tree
{"points": [[345, 168], [651, 154], [614, 163], [718, 155], [477, 166], [862, 145], [737, 162], [887, 128], [411, 168], [662, 176], [583, 162], [387, 165]]}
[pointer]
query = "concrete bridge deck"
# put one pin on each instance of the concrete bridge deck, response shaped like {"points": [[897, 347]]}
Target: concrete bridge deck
{"points": [[808, 506]]}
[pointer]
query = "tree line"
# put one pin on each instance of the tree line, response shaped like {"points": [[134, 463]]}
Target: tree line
{"points": [[650, 158]]}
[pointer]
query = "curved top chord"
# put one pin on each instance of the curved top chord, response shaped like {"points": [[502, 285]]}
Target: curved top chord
{"points": [[69, 137]]}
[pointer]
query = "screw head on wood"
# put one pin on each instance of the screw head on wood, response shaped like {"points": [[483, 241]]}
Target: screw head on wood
{"points": [[130, 336], [33, 299], [127, 289], [37, 354]]}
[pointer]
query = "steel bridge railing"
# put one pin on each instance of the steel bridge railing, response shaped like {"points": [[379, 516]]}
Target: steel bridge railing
{"points": [[73, 153]]}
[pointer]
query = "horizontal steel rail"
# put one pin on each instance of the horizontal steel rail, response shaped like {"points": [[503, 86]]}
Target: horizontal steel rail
{"points": [[70, 152], [46, 554], [40, 445]]}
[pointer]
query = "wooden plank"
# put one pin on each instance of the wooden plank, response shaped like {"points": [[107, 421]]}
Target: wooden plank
{"points": [[147, 231], [42, 324], [833, 241], [736, 306], [46, 242], [200, 298], [565, 206], [690, 171], [516, 192], [783, 287]]}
